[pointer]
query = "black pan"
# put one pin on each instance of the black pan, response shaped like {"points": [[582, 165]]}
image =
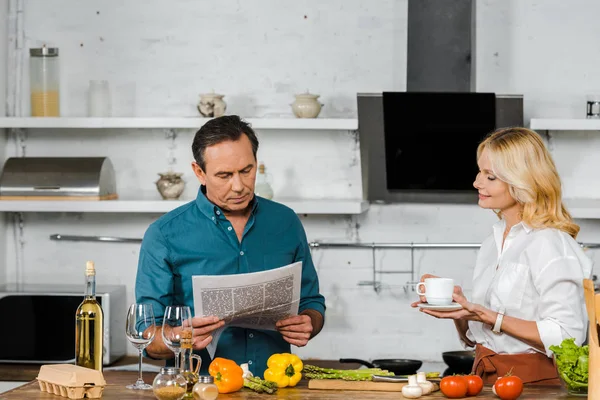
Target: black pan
{"points": [[460, 362], [397, 365]]}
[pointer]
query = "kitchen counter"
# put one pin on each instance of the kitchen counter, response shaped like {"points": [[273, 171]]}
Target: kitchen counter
{"points": [[117, 380], [28, 372]]}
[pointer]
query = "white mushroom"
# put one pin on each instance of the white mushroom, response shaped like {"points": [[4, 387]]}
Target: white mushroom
{"points": [[412, 390], [247, 373], [424, 383]]}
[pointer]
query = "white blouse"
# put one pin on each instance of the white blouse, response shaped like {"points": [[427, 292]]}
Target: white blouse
{"points": [[539, 277]]}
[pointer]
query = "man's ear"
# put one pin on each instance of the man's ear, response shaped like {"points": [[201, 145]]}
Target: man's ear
{"points": [[200, 174]]}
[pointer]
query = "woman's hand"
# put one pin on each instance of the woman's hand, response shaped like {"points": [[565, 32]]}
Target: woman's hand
{"points": [[423, 299], [470, 311]]}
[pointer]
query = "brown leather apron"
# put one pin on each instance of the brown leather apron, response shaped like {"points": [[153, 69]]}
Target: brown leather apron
{"points": [[532, 368]]}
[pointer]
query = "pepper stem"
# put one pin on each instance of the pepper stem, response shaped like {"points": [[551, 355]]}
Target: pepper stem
{"points": [[289, 371], [218, 377]]}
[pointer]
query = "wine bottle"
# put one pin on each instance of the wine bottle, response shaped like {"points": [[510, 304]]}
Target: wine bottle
{"points": [[89, 326], [262, 187]]}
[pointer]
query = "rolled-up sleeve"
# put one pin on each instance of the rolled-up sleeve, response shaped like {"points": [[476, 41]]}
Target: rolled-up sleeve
{"points": [[310, 298], [560, 286], [154, 280]]}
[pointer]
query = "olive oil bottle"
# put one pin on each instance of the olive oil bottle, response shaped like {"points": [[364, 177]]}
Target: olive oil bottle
{"points": [[89, 325]]}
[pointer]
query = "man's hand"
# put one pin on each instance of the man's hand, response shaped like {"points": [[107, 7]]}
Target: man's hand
{"points": [[203, 330], [296, 330]]}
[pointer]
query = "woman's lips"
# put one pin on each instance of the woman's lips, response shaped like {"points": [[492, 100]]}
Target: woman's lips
{"points": [[483, 197]]}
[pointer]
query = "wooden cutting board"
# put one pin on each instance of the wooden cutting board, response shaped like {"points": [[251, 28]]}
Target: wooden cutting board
{"points": [[339, 384]]}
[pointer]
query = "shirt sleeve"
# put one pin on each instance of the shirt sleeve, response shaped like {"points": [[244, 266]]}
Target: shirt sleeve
{"points": [[561, 316], [310, 298], [154, 280]]}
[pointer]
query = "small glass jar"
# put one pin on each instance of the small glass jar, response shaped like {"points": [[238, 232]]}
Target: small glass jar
{"points": [[44, 82], [205, 389], [169, 384]]}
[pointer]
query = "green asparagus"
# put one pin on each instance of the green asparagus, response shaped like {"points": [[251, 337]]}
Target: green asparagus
{"points": [[260, 385], [364, 374]]}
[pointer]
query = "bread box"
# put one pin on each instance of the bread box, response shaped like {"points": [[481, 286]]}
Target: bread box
{"points": [[58, 178], [72, 381]]}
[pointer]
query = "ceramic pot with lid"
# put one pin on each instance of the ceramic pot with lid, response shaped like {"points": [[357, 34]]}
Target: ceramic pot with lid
{"points": [[212, 105], [170, 185], [306, 105]]}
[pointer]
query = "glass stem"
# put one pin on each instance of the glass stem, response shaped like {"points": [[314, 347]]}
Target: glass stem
{"points": [[140, 380], [177, 362]]}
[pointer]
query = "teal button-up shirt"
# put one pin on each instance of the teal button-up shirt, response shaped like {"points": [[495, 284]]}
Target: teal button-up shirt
{"points": [[197, 239]]}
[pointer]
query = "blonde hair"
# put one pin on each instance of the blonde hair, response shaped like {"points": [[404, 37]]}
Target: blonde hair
{"points": [[520, 158]]}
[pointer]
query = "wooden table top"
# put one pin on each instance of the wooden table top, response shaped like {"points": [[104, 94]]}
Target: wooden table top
{"points": [[117, 380]]}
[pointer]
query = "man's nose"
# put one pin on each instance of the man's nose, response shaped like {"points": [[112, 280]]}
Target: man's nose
{"points": [[236, 183]]}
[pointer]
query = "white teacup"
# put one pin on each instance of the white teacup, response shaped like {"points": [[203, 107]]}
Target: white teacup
{"points": [[438, 291]]}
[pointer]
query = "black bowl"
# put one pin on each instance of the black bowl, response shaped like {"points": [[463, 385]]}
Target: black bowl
{"points": [[459, 361]]}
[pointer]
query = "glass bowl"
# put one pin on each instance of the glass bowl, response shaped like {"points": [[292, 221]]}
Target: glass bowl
{"points": [[573, 392]]}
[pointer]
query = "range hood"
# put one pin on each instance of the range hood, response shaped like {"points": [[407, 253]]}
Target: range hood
{"points": [[420, 145]]}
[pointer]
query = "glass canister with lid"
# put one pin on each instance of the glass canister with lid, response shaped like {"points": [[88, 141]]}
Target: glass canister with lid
{"points": [[44, 82], [205, 388], [169, 384]]}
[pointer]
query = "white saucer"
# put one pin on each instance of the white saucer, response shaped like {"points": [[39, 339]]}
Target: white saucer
{"points": [[448, 307]]}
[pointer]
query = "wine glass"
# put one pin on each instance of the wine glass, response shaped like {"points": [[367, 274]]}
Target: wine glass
{"points": [[140, 329], [177, 330]]}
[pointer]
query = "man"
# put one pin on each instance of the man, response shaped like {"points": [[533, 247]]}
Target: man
{"points": [[227, 230]]}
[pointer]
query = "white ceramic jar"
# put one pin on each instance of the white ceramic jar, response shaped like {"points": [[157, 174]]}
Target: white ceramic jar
{"points": [[212, 105], [306, 105]]}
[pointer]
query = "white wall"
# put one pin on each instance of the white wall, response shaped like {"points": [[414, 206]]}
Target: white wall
{"points": [[4, 43], [159, 56]]}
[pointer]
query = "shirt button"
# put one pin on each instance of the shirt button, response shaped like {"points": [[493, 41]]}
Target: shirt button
{"points": [[213, 218], [228, 228], [218, 212], [241, 253], [250, 362], [251, 335]]}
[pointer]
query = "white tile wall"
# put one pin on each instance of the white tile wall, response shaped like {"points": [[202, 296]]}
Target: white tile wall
{"points": [[3, 86], [159, 56]]}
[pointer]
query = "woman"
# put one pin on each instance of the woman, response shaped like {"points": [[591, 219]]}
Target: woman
{"points": [[528, 278]]}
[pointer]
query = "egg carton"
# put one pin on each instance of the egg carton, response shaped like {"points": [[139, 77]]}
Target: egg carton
{"points": [[71, 381]]}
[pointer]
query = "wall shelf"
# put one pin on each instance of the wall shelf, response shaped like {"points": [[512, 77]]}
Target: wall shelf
{"points": [[573, 124], [300, 206], [583, 208], [173, 123]]}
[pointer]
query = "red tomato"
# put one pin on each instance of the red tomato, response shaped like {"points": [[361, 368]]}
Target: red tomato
{"points": [[474, 384], [454, 387], [508, 387]]}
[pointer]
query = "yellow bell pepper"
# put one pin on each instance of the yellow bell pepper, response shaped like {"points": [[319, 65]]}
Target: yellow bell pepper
{"points": [[285, 369]]}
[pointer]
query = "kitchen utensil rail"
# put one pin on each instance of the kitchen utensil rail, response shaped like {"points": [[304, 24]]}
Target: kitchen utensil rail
{"points": [[79, 238], [412, 245], [410, 285]]}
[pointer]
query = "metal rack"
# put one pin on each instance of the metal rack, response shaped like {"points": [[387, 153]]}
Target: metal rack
{"points": [[376, 282]]}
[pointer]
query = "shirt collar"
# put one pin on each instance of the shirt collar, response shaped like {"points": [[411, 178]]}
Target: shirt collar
{"points": [[212, 211], [500, 226]]}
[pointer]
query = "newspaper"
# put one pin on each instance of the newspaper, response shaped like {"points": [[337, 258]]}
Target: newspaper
{"points": [[255, 300]]}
